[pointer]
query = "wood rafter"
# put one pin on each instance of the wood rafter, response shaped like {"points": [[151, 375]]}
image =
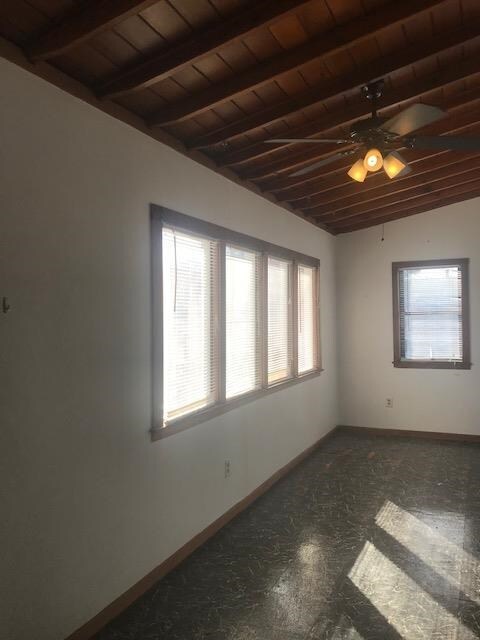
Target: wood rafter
{"points": [[49, 73], [81, 23], [215, 80], [301, 156], [465, 192], [337, 40], [207, 42], [348, 194], [337, 86], [428, 194], [330, 186], [449, 175]]}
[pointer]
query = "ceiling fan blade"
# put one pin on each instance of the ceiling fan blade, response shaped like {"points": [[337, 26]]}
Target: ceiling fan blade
{"points": [[320, 163], [453, 143], [412, 118], [309, 140]]}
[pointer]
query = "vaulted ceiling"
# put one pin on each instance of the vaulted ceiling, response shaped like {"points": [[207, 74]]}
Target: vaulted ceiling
{"points": [[215, 78]]}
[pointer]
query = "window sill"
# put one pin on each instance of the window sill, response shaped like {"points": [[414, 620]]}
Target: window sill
{"points": [[431, 364], [188, 421]]}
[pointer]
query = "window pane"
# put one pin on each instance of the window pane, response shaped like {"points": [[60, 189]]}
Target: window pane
{"points": [[431, 313], [189, 275], [279, 320], [306, 318], [243, 349]]}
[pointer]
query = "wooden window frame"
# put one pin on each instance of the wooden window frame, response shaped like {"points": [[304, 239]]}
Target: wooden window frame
{"points": [[259, 322], [162, 216], [465, 363], [292, 327], [316, 317]]}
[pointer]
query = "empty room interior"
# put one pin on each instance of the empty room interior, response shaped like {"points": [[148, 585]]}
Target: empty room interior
{"points": [[240, 319]]}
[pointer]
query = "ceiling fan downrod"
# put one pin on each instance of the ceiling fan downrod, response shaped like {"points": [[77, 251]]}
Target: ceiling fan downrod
{"points": [[373, 92]]}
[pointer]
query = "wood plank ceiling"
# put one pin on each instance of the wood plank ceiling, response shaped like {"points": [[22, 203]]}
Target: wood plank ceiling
{"points": [[215, 78]]}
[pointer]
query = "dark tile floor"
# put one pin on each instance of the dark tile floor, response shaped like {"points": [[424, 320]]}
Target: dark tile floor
{"points": [[371, 538]]}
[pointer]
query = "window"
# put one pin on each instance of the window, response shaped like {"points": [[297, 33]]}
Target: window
{"points": [[279, 319], [243, 331], [189, 291], [307, 318], [431, 328], [234, 317]]}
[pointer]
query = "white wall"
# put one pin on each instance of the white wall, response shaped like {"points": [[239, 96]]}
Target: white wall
{"points": [[89, 505], [423, 399]]}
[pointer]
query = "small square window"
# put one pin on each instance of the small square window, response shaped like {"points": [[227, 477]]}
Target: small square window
{"points": [[430, 302]]}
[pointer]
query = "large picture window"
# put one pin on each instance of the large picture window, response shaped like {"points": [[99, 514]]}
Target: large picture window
{"points": [[234, 318], [430, 307]]}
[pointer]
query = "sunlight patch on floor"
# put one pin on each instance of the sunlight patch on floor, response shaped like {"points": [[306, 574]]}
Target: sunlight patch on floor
{"points": [[454, 564], [412, 612]]}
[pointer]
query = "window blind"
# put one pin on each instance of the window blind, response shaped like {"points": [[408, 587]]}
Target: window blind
{"points": [[430, 301], [306, 318], [242, 319], [279, 319], [189, 322]]}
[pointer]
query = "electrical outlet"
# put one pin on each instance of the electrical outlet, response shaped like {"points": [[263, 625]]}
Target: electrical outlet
{"points": [[228, 470], [389, 403]]}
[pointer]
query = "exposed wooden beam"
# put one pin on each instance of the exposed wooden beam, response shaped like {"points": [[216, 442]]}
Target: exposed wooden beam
{"points": [[206, 42], [411, 211], [429, 195], [296, 159], [309, 152], [49, 73], [292, 188], [321, 125], [82, 22], [286, 185], [392, 193], [336, 86], [324, 45], [349, 194]]}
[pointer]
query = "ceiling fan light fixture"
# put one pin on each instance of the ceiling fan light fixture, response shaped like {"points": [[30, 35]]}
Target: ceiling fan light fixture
{"points": [[384, 133], [373, 160], [394, 165], [358, 171]]}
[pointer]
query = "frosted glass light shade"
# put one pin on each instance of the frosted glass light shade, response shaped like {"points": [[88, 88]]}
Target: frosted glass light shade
{"points": [[358, 171], [394, 165]]}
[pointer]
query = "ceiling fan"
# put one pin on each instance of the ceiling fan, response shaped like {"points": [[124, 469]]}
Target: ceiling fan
{"points": [[375, 138]]}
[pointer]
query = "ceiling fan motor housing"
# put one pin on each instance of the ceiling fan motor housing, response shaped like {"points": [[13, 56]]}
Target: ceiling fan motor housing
{"points": [[374, 90]]}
